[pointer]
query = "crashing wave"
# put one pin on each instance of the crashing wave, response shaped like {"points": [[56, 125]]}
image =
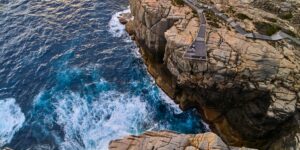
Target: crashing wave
{"points": [[12, 120], [115, 27], [92, 125], [96, 113]]}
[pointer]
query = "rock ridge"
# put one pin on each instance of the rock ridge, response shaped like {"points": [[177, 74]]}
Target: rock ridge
{"points": [[247, 90], [167, 140]]}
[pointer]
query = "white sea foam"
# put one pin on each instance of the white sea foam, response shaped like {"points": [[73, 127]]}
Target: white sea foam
{"points": [[92, 125], [136, 53], [90, 122], [12, 120], [206, 126], [115, 27], [169, 102]]}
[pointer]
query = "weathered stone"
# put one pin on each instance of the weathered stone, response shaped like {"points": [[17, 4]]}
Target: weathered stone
{"points": [[190, 148], [130, 28], [251, 86], [166, 140]]}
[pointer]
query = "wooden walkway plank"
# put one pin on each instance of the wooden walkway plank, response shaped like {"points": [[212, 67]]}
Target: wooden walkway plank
{"points": [[198, 50]]}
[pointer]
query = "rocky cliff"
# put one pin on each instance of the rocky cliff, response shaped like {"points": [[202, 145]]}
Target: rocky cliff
{"points": [[248, 90]]}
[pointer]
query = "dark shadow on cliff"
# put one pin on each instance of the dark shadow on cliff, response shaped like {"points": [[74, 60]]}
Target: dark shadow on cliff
{"points": [[245, 110]]}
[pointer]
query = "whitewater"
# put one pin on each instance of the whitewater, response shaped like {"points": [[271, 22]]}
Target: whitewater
{"points": [[71, 78]]}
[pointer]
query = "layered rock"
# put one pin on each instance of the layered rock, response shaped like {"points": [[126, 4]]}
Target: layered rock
{"points": [[153, 18], [248, 90], [166, 140], [286, 10]]}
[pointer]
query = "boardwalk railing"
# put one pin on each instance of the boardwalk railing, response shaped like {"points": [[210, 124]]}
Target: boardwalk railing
{"points": [[198, 50]]}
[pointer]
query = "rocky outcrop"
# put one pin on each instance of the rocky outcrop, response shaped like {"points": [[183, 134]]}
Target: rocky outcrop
{"points": [[153, 18], [247, 90], [287, 10], [166, 140]]}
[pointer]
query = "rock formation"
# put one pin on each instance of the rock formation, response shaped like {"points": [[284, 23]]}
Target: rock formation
{"points": [[248, 90], [166, 140]]}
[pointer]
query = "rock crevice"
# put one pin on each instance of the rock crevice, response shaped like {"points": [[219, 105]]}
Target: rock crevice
{"points": [[248, 90], [166, 140]]}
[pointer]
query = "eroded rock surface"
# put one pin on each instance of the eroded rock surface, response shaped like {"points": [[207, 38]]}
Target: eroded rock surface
{"points": [[153, 18], [166, 140], [248, 90]]}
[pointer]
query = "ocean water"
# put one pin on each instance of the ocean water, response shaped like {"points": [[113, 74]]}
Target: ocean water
{"points": [[71, 79]]}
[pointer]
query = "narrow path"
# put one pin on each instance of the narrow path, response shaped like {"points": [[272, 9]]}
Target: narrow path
{"points": [[198, 50]]}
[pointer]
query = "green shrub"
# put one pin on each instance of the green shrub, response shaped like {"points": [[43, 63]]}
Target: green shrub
{"points": [[286, 16], [230, 10], [270, 19], [266, 28], [212, 19], [243, 16], [179, 2]]}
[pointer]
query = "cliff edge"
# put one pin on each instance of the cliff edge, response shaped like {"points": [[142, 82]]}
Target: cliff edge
{"points": [[247, 90]]}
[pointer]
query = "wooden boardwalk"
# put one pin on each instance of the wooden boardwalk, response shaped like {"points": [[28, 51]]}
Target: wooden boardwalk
{"points": [[198, 50]]}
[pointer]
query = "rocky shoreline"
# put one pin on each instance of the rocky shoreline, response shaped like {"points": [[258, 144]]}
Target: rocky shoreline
{"points": [[247, 90], [168, 140]]}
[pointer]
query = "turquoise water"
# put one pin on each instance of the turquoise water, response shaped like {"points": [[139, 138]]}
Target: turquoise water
{"points": [[70, 78]]}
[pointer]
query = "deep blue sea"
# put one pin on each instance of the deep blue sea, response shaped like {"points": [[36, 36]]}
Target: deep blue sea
{"points": [[71, 79]]}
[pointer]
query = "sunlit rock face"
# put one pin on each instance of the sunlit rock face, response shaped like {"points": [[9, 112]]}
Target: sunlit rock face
{"points": [[172, 141], [248, 90], [153, 18]]}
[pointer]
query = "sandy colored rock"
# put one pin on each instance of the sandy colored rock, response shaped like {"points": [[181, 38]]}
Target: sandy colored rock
{"points": [[166, 140], [251, 86]]}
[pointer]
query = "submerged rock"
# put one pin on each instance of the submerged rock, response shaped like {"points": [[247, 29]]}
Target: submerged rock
{"points": [[247, 90], [124, 18]]}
